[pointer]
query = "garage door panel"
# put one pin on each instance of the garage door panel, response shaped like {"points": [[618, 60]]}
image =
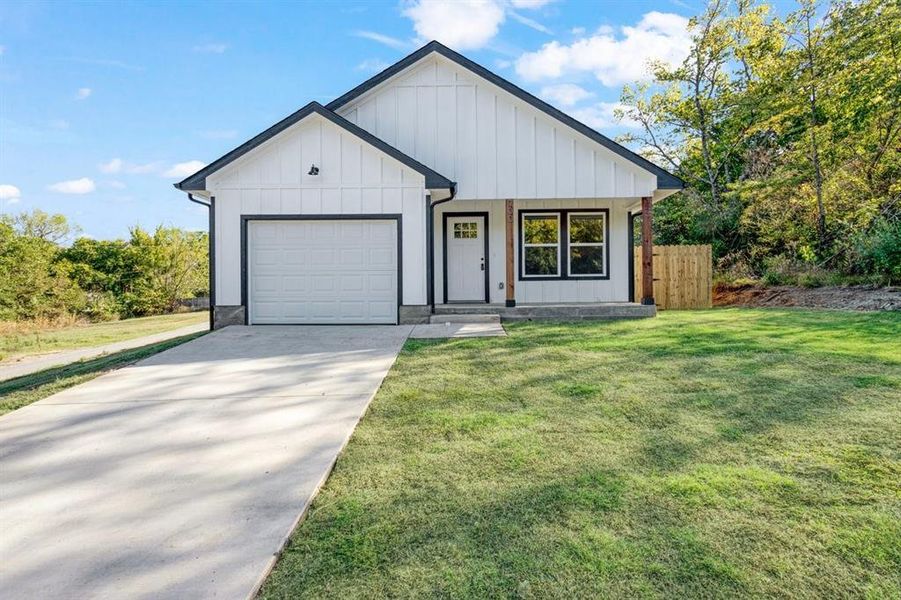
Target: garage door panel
{"points": [[352, 311], [295, 257], [324, 231], [267, 284], [382, 232], [293, 283], [382, 310], [382, 258], [323, 283], [323, 257], [298, 232], [350, 231], [342, 271], [353, 283], [266, 231], [351, 257], [380, 283], [267, 257]]}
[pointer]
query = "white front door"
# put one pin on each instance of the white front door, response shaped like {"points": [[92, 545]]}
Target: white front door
{"points": [[466, 258]]}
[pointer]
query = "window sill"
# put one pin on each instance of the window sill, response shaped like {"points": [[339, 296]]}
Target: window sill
{"points": [[565, 278]]}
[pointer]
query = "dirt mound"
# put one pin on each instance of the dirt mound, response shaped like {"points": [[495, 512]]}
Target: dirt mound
{"points": [[861, 297]]}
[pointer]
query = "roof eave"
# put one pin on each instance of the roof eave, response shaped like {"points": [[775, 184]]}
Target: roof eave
{"points": [[197, 181]]}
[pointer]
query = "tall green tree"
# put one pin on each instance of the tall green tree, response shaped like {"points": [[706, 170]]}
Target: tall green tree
{"points": [[695, 117], [32, 284], [787, 132]]}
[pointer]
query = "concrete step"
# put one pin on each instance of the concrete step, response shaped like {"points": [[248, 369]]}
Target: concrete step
{"points": [[476, 318]]}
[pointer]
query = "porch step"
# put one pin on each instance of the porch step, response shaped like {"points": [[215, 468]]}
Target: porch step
{"points": [[465, 318], [537, 312]]}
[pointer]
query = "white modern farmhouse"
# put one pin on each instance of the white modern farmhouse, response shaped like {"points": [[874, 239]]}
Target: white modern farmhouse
{"points": [[435, 186]]}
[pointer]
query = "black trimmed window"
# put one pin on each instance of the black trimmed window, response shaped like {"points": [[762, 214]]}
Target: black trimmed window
{"points": [[564, 244], [540, 244], [587, 244]]}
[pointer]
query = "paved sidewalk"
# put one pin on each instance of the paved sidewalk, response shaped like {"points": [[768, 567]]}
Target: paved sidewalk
{"points": [[32, 364], [457, 330]]}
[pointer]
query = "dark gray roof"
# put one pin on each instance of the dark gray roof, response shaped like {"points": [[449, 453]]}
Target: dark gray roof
{"points": [[665, 179], [197, 181]]}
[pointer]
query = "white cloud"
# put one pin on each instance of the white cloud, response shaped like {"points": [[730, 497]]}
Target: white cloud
{"points": [[529, 4], [115, 184], [214, 48], [117, 165], [141, 169], [602, 115], [565, 94], [387, 40], [461, 24], [9, 192], [84, 185], [60, 124], [373, 65], [113, 166], [529, 22], [219, 134], [184, 169], [83, 93], [613, 59]]}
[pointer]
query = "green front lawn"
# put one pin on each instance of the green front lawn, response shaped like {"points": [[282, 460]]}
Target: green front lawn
{"points": [[700, 454], [21, 339], [21, 391]]}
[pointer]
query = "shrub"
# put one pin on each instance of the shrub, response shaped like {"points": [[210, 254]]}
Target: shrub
{"points": [[878, 251]]}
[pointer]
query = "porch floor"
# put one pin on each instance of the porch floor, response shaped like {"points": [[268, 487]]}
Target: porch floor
{"points": [[561, 311]]}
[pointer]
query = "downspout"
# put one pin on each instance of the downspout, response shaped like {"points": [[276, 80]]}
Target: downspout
{"points": [[430, 248], [211, 223]]}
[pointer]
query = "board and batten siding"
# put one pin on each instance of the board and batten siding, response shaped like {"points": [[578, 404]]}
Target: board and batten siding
{"points": [[494, 145], [354, 178], [615, 289]]}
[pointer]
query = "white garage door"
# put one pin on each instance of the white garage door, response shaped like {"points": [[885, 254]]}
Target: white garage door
{"points": [[322, 272]]}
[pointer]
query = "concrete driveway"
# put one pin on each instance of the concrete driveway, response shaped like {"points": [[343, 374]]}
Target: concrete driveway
{"points": [[181, 476]]}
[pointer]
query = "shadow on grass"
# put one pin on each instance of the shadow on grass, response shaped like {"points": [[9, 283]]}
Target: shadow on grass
{"points": [[21, 391]]}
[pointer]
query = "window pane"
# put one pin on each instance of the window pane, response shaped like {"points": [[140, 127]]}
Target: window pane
{"points": [[585, 229], [586, 260], [540, 229], [465, 230], [541, 261]]}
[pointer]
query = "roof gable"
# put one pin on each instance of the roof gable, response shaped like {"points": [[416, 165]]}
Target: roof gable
{"points": [[197, 181], [665, 179]]}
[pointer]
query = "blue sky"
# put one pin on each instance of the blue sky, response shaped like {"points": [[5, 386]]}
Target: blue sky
{"points": [[104, 105]]}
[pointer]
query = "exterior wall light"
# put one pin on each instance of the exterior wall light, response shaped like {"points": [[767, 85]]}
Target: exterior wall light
{"points": [[314, 170]]}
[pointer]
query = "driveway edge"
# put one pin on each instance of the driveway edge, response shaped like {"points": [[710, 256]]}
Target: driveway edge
{"points": [[255, 591]]}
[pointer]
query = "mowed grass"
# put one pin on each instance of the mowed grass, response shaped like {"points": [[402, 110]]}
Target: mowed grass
{"points": [[21, 391], [700, 454], [22, 339]]}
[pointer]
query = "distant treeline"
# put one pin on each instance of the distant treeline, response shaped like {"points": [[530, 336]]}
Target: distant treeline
{"points": [[147, 274], [787, 132]]}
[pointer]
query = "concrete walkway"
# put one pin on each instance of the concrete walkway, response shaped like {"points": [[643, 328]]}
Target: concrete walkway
{"points": [[32, 364], [182, 475]]}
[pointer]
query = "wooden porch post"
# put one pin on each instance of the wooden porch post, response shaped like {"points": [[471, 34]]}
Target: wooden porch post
{"points": [[509, 285], [647, 253]]}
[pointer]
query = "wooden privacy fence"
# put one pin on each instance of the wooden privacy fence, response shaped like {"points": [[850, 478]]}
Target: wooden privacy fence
{"points": [[683, 276]]}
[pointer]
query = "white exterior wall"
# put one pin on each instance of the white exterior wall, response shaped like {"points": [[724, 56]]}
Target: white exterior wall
{"points": [[615, 289], [354, 178], [494, 145]]}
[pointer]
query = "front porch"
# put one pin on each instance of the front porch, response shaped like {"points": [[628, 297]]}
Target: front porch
{"points": [[570, 311], [581, 263]]}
